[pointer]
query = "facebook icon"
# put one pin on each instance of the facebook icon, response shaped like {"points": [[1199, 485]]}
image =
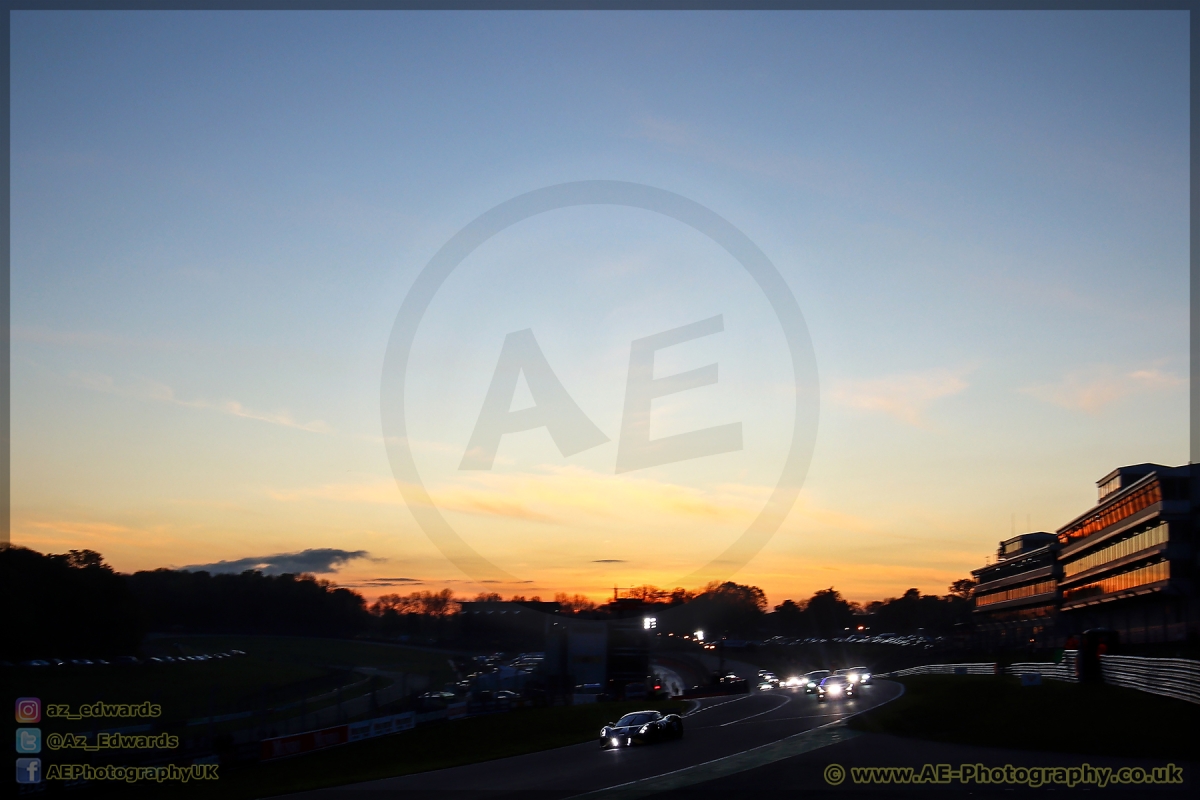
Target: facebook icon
{"points": [[29, 770]]}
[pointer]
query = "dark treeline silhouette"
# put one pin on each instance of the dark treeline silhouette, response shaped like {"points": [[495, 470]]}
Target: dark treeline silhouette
{"points": [[735, 610], [74, 605], [727, 608], [66, 606], [247, 602], [827, 613], [418, 614], [914, 611]]}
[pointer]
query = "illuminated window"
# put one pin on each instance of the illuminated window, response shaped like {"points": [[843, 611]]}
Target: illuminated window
{"points": [[1135, 544], [1144, 497], [1151, 573], [1110, 487], [1015, 593]]}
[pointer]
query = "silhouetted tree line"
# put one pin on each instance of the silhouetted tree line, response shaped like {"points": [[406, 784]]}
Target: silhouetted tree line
{"points": [[425, 614], [66, 606], [727, 608], [828, 614], [247, 602], [738, 611], [74, 605]]}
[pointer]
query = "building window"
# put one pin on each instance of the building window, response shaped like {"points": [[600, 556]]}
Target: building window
{"points": [[1015, 593], [1151, 573], [1110, 487], [1144, 497], [1134, 544]]}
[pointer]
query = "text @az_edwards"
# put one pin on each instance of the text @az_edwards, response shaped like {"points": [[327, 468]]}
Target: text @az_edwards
{"points": [[112, 741]]}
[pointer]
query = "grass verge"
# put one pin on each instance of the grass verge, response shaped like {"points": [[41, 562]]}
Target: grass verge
{"points": [[1091, 719]]}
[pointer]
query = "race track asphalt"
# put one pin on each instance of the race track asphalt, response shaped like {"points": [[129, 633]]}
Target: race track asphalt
{"points": [[715, 728]]}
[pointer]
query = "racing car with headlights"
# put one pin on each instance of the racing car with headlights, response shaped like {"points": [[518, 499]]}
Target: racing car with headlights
{"points": [[641, 727], [836, 687], [813, 679], [861, 676]]}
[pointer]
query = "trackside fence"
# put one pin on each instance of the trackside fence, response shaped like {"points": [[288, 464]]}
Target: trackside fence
{"points": [[1178, 678], [982, 668], [1172, 677], [1065, 670]]}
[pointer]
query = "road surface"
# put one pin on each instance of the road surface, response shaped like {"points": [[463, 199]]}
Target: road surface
{"points": [[715, 728]]}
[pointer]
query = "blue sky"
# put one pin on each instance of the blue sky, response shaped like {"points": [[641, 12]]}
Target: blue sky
{"points": [[215, 217]]}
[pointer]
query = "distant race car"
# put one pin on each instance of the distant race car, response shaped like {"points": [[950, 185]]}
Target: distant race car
{"points": [[813, 679], [856, 674], [860, 675], [641, 727], [837, 687]]}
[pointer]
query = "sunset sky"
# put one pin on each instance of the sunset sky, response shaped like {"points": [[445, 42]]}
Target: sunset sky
{"points": [[216, 217]]}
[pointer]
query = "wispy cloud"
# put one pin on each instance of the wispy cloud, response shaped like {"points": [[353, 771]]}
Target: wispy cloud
{"points": [[90, 534], [383, 491], [1094, 388], [390, 582], [610, 561], [320, 560], [557, 494], [148, 390], [568, 493], [905, 396], [376, 491], [88, 340]]}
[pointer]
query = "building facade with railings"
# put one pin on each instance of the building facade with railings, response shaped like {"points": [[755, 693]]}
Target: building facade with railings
{"points": [[1129, 563], [1016, 598]]}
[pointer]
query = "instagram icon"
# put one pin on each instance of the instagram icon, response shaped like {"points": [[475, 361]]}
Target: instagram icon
{"points": [[29, 709]]}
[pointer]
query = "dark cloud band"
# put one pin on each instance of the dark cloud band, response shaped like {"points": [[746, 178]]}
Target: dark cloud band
{"points": [[319, 560]]}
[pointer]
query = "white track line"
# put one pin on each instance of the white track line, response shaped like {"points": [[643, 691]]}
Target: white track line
{"points": [[786, 700], [841, 715], [717, 705]]}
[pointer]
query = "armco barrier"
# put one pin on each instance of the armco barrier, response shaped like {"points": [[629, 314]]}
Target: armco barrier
{"points": [[983, 668], [1058, 671], [282, 746], [431, 716], [381, 726], [303, 742], [1172, 677]]}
